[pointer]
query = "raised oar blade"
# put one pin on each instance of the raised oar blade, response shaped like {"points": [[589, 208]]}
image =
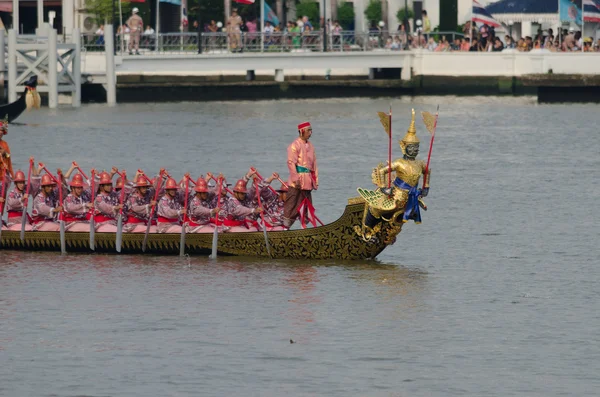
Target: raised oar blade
{"points": [[63, 242], [266, 238], [182, 241], [145, 242], [213, 254], [23, 220], [119, 233], [92, 233]]}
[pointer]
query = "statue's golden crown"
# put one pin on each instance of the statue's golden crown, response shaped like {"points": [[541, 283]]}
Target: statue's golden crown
{"points": [[411, 134]]}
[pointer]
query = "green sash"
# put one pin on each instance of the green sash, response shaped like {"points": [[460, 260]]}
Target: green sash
{"points": [[302, 170]]}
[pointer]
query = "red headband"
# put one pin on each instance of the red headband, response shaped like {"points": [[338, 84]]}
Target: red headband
{"points": [[304, 125]]}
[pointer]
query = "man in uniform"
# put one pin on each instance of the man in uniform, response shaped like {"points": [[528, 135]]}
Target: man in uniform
{"points": [[46, 206], [170, 207], [136, 25], [107, 205], [202, 207], [138, 206], [16, 199], [304, 174], [241, 212], [77, 206], [233, 30]]}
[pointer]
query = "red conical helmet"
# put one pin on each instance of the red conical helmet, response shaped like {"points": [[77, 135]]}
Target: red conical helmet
{"points": [[201, 186], [240, 186], [105, 178], [47, 180], [119, 184], [76, 181], [171, 184], [19, 176], [142, 182]]}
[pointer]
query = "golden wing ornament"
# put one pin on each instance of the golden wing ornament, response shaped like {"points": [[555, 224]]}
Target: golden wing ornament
{"points": [[377, 199]]}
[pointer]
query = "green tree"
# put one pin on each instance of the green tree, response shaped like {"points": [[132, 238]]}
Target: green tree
{"points": [[345, 13], [310, 9], [373, 11], [402, 12], [102, 9], [206, 10]]}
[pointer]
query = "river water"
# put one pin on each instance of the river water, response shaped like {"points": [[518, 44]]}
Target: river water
{"points": [[495, 294]]}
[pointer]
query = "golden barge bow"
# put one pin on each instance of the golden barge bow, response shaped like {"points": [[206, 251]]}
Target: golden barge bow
{"points": [[336, 240]]}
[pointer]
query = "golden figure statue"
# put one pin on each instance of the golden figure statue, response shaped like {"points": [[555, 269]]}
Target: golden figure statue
{"points": [[400, 202]]}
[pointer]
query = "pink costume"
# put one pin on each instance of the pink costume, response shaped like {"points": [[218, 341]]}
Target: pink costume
{"points": [[77, 215], [273, 207], [137, 208], [302, 164], [199, 213], [43, 214], [106, 212], [239, 217], [169, 210], [14, 204]]}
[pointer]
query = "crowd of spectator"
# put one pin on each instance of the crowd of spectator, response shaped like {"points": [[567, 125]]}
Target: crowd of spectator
{"points": [[484, 39]]}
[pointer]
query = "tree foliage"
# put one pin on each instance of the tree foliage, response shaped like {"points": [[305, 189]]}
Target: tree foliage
{"points": [[373, 11], [311, 10], [102, 9], [402, 12], [345, 13]]}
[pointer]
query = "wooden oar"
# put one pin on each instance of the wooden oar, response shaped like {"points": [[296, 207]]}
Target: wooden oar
{"points": [[63, 240], [157, 187], [185, 206], [92, 212], [215, 240], [119, 241], [63, 243], [26, 201], [258, 175], [4, 172], [262, 215], [222, 180]]}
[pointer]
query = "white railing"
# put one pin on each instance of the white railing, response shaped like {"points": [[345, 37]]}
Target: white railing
{"points": [[218, 43]]}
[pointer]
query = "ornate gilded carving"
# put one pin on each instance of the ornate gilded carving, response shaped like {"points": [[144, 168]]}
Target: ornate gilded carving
{"points": [[336, 240]]}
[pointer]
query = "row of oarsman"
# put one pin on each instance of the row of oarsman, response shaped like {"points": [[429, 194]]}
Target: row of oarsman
{"points": [[170, 204]]}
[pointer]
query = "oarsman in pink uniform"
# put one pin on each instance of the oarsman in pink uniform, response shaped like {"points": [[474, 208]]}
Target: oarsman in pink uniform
{"points": [[129, 187], [16, 198], [273, 203], [240, 211], [170, 207], [304, 174], [77, 206], [106, 205], [46, 207], [201, 208], [137, 207]]}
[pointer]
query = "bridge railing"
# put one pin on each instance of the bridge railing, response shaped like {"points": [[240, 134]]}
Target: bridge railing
{"points": [[186, 43]]}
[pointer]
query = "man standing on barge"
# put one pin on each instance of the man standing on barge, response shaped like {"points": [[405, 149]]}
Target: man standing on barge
{"points": [[304, 174]]}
